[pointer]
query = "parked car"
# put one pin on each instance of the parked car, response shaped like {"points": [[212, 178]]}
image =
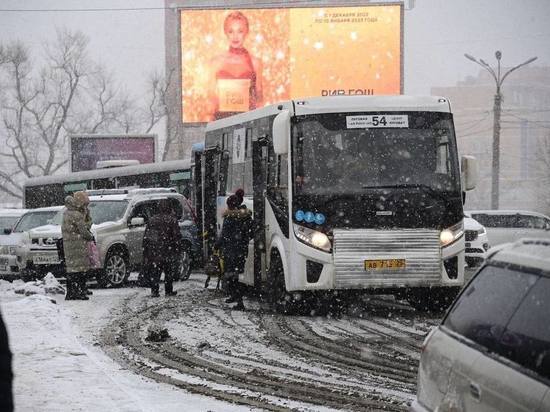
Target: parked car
{"points": [[14, 245], [492, 349], [476, 243], [8, 219], [119, 218], [504, 226]]}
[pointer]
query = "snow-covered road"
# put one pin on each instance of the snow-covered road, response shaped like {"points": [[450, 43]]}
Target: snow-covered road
{"points": [[59, 366], [93, 355]]}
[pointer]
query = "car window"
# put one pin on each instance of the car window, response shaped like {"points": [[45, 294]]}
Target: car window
{"points": [[34, 219], [107, 210], [526, 340], [7, 222], [485, 307]]}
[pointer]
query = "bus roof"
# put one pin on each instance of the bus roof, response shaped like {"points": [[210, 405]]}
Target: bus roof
{"points": [[337, 104], [110, 172]]}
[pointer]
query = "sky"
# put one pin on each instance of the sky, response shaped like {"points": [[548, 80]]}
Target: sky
{"points": [[436, 36]]}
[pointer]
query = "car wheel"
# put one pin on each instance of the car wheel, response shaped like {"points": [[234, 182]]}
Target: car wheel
{"points": [[184, 264], [115, 270]]}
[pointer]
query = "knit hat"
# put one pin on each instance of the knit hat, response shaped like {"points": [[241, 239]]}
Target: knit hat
{"points": [[240, 195], [233, 202]]}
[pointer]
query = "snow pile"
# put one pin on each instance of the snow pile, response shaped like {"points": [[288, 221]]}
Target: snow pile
{"points": [[48, 285], [6, 286]]}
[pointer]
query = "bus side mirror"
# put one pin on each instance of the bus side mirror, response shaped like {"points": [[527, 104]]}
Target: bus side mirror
{"points": [[468, 172], [281, 132]]}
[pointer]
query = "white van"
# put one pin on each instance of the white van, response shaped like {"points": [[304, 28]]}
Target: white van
{"points": [[492, 349]]}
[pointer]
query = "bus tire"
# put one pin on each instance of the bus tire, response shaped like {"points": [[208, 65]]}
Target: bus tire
{"points": [[279, 299], [115, 271]]}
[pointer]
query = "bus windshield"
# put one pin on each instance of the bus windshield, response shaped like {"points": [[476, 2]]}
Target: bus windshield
{"points": [[331, 158]]}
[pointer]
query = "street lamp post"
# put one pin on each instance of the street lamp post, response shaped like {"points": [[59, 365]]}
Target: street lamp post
{"points": [[496, 118]]}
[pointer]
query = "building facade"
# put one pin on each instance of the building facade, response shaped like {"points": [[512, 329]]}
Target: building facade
{"points": [[524, 136]]}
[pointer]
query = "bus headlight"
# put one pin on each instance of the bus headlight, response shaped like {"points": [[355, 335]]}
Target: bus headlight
{"points": [[313, 238], [449, 235]]}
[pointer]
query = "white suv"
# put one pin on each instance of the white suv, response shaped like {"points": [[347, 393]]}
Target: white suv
{"points": [[119, 218], [476, 243], [504, 226], [492, 349]]}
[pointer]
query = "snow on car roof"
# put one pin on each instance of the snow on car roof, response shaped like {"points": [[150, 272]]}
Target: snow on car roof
{"points": [[531, 252], [12, 212], [44, 209], [504, 212]]}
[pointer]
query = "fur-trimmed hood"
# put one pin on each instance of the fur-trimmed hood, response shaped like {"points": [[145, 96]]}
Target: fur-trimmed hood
{"points": [[237, 213]]}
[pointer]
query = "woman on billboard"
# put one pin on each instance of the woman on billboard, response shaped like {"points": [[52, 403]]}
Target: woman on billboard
{"points": [[236, 78]]}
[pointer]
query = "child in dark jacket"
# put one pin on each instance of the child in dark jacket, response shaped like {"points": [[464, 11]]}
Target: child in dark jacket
{"points": [[233, 243]]}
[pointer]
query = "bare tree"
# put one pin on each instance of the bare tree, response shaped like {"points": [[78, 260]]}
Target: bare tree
{"points": [[38, 109], [156, 106]]}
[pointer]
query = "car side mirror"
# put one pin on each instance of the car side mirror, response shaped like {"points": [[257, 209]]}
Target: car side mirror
{"points": [[137, 221], [7, 231]]}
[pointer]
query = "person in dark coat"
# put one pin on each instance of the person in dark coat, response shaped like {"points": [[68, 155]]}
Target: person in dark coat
{"points": [[76, 234], [6, 374], [162, 243], [233, 244]]}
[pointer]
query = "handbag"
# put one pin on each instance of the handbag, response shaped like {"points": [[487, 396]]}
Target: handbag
{"points": [[213, 267], [93, 255]]}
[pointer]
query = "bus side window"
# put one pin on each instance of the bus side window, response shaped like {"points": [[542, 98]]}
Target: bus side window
{"points": [[282, 178]]}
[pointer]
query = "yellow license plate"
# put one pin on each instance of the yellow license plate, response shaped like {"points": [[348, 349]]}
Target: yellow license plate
{"points": [[378, 264]]}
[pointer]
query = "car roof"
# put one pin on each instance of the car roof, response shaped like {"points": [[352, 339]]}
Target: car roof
{"points": [[44, 209], [12, 212], [504, 212], [528, 252]]}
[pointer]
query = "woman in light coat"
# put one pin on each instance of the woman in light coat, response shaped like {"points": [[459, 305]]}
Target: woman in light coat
{"points": [[76, 234]]}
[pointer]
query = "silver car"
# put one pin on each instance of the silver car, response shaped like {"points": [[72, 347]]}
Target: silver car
{"points": [[15, 243], [504, 226], [119, 218], [492, 349]]}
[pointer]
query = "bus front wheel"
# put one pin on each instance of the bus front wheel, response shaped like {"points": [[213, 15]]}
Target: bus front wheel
{"points": [[279, 299]]}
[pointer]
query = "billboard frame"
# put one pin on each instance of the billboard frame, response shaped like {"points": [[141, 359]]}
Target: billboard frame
{"points": [[242, 5], [111, 136]]}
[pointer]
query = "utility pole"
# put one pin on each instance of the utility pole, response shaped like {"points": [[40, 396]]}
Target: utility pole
{"points": [[496, 118]]}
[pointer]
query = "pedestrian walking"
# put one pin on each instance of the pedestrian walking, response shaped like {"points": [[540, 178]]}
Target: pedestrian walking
{"points": [[6, 373], [233, 244], [162, 245], [76, 235]]}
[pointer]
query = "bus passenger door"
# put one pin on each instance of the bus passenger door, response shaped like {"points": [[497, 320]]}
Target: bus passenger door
{"points": [[210, 161], [259, 178]]}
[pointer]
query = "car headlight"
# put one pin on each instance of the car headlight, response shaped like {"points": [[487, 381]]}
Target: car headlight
{"points": [[12, 250], [449, 235], [313, 238], [481, 231]]}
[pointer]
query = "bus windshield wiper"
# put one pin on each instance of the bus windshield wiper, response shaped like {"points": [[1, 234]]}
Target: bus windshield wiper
{"points": [[423, 186]]}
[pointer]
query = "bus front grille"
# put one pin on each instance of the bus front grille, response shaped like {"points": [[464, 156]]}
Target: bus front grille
{"points": [[417, 249]]}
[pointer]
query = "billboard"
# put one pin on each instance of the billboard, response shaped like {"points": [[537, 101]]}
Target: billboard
{"points": [[86, 150], [237, 60]]}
